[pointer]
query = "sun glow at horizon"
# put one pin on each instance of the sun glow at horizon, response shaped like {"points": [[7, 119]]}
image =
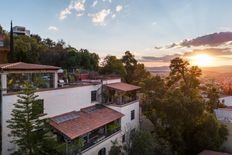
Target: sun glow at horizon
{"points": [[201, 60]]}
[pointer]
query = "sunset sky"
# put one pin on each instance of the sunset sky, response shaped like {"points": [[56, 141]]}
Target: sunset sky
{"points": [[154, 30]]}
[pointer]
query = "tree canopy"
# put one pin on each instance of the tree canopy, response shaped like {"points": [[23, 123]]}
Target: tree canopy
{"points": [[180, 116], [127, 67], [112, 65], [34, 49]]}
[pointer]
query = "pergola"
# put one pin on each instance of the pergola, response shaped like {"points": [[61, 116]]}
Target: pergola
{"points": [[119, 93], [21, 69]]}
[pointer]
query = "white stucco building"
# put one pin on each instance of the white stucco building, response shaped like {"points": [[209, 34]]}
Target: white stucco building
{"points": [[21, 30], [95, 111], [224, 115]]}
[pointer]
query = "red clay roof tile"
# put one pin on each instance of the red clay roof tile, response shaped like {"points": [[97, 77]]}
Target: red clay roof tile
{"points": [[90, 118]]}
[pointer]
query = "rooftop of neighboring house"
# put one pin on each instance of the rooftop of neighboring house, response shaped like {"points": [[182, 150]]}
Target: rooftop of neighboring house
{"points": [[227, 100], [224, 114], [77, 123]]}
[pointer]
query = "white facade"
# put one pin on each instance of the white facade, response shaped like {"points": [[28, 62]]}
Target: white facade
{"points": [[21, 30], [224, 114], [226, 100], [126, 109], [62, 100]]}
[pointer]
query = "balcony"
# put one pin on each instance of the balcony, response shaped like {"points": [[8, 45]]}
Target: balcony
{"points": [[16, 81], [119, 94], [89, 140], [119, 98]]}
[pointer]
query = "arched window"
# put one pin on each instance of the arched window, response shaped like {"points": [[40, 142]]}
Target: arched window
{"points": [[102, 151]]}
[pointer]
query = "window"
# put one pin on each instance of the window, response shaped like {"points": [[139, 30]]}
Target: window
{"points": [[102, 151], [93, 96], [38, 107], [132, 114]]}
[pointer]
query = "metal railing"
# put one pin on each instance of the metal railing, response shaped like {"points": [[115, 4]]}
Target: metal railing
{"points": [[100, 139]]}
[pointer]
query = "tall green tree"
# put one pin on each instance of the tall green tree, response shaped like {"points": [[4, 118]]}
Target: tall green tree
{"points": [[130, 63], [213, 94], [112, 65], [115, 149], [135, 72], [153, 89], [183, 75], [142, 143], [28, 132], [34, 49], [182, 115]]}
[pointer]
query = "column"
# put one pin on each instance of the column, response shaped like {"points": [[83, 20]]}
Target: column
{"points": [[55, 80], [4, 83]]}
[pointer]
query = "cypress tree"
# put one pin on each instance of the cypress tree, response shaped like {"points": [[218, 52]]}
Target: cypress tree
{"points": [[11, 53]]}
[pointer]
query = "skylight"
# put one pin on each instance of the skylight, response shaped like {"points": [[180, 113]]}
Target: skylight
{"points": [[67, 117]]}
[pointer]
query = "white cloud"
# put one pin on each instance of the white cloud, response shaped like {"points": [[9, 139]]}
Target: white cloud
{"points": [[154, 23], [64, 13], [52, 28], [224, 28], [99, 17], [78, 5], [80, 14], [113, 16], [119, 8], [107, 0], [94, 3]]}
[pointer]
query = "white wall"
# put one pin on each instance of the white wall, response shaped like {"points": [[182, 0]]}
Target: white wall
{"points": [[64, 100], [227, 100], [224, 114], [109, 81], [55, 102], [126, 121], [126, 124]]}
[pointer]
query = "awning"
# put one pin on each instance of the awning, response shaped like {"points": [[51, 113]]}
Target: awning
{"points": [[78, 123], [122, 86]]}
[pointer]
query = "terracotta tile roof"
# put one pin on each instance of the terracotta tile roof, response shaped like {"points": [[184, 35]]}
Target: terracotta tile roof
{"points": [[77, 123], [123, 86], [208, 152], [25, 66]]}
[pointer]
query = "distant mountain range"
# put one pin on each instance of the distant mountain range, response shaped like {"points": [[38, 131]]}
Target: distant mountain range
{"points": [[219, 69]]}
